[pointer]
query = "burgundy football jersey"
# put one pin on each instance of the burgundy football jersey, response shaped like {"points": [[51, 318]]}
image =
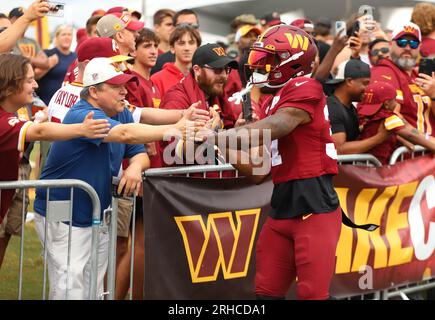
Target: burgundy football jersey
{"points": [[308, 151], [415, 104], [12, 141]]}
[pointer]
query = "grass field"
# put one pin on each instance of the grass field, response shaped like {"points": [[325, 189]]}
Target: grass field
{"points": [[32, 267]]}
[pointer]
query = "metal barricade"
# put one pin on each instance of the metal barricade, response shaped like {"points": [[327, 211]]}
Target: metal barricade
{"points": [[52, 215], [399, 154], [111, 269], [363, 159]]}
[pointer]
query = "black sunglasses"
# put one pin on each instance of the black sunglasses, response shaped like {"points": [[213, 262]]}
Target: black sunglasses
{"points": [[402, 43], [218, 71], [375, 52], [193, 25]]}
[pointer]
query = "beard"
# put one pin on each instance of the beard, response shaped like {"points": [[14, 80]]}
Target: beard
{"points": [[208, 85], [404, 63]]}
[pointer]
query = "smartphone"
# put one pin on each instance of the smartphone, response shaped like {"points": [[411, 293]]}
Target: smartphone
{"points": [[351, 32], [56, 9], [426, 66], [367, 14], [340, 26], [246, 107]]}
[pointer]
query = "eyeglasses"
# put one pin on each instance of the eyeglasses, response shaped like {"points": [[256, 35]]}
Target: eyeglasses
{"points": [[402, 43], [218, 71], [375, 52], [184, 24]]}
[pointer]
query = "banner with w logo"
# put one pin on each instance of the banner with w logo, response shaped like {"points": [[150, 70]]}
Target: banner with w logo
{"points": [[200, 237], [200, 234]]}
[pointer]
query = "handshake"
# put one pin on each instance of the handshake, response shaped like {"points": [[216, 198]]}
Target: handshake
{"points": [[196, 124]]}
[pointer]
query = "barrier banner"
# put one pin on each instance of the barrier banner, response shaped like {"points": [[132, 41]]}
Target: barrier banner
{"points": [[200, 234], [399, 198]]}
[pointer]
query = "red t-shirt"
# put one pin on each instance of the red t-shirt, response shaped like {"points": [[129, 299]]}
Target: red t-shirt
{"points": [[152, 100], [166, 78], [152, 96], [12, 142], [415, 104], [392, 122], [308, 151], [427, 47]]}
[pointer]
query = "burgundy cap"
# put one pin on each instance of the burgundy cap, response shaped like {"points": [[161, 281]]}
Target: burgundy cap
{"points": [[81, 36], [375, 95], [130, 24], [135, 13], [302, 23], [96, 48], [121, 79]]}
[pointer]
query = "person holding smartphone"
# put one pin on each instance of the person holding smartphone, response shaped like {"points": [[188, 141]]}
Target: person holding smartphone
{"points": [[415, 92]]}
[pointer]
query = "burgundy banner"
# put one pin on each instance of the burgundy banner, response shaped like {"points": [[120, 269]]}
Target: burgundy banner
{"points": [[200, 234]]}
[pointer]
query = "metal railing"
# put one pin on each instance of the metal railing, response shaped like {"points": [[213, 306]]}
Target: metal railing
{"points": [[399, 154], [53, 216], [363, 159]]}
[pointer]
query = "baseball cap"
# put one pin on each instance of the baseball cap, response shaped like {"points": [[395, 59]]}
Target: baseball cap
{"points": [[81, 36], [16, 12], [244, 19], [99, 48], [270, 19], [407, 28], [213, 55], [243, 31], [108, 25], [375, 95], [100, 70], [352, 69], [135, 13], [302, 23], [130, 24]]}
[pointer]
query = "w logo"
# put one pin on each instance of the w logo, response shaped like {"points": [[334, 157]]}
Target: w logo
{"points": [[220, 244], [219, 51]]}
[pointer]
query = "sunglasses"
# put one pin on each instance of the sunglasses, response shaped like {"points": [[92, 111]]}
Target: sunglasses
{"points": [[402, 43], [218, 71], [375, 52], [193, 25]]}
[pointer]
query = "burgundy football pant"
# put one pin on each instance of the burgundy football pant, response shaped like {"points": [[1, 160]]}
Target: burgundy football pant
{"points": [[302, 247]]}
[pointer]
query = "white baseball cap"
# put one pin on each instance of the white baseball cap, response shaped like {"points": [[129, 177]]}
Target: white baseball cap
{"points": [[100, 70]]}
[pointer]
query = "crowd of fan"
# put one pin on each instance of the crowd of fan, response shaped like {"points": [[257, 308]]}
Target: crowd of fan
{"points": [[377, 100]]}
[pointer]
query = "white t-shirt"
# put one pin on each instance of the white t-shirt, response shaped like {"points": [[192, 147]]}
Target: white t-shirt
{"points": [[63, 100]]}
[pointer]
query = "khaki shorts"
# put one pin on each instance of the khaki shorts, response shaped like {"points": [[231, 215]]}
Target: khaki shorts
{"points": [[11, 224], [125, 208]]}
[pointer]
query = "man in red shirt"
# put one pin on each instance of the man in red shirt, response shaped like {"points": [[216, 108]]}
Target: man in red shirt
{"points": [[205, 83], [184, 40], [416, 105], [17, 84], [300, 235]]}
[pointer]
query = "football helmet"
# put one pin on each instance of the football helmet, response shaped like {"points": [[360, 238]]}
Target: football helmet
{"points": [[281, 53]]}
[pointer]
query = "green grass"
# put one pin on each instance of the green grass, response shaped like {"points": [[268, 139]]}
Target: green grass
{"points": [[32, 267]]}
